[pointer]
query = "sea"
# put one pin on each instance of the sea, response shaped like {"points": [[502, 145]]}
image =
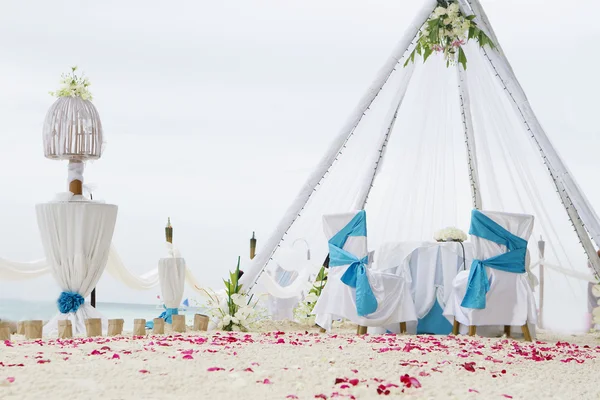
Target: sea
{"points": [[19, 310]]}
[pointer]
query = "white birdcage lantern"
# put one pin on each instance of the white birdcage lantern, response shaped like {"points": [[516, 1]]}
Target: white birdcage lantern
{"points": [[72, 129]]}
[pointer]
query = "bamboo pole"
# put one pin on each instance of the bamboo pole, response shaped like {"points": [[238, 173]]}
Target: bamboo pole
{"points": [[169, 231], [252, 246]]}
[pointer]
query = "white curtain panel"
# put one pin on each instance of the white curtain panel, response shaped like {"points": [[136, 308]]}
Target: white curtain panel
{"points": [[76, 236], [171, 272], [510, 300], [117, 270]]}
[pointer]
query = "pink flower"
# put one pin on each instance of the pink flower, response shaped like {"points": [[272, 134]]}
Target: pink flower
{"points": [[410, 381], [10, 379]]}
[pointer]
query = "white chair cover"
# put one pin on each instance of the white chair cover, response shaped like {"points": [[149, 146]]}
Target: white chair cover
{"points": [[338, 300], [76, 236], [510, 300]]}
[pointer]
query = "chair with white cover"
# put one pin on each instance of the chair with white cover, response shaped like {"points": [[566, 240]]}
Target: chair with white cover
{"points": [[496, 290], [353, 291]]}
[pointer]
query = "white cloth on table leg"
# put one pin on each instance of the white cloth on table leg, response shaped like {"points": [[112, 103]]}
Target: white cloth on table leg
{"points": [[76, 236], [171, 272], [510, 300]]}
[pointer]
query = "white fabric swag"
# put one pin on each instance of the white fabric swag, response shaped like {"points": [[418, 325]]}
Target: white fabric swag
{"points": [[76, 236]]}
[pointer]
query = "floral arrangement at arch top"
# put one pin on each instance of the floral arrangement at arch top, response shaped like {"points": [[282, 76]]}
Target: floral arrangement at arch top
{"points": [[446, 31], [73, 86], [303, 312], [450, 234], [233, 310]]}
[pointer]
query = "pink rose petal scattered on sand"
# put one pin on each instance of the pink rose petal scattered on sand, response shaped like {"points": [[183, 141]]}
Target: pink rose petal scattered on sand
{"points": [[507, 396], [144, 371], [291, 396], [10, 379], [248, 370], [212, 369], [43, 361], [473, 391], [116, 356], [409, 381], [188, 357]]}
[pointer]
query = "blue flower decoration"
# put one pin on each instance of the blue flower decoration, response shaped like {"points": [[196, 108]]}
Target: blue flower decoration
{"points": [[69, 302]]}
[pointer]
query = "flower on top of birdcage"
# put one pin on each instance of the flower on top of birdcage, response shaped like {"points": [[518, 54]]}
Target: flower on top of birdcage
{"points": [[73, 85]]}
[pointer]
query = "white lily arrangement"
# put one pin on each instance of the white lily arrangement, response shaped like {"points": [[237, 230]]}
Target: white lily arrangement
{"points": [[450, 234], [446, 31], [73, 86], [234, 310], [303, 311]]}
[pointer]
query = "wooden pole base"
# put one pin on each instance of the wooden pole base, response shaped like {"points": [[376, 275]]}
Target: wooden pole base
{"points": [[139, 327], [65, 329], [200, 322], [361, 330], [472, 330], [507, 330], [526, 333], [76, 187], [402, 327], [178, 323], [33, 329], [115, 327], [159, 326]]}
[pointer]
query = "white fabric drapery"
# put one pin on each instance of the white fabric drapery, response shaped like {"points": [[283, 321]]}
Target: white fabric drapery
{"points": [[17, 271], [117, 270], [510, 299], [172, 280], [76, 236]]}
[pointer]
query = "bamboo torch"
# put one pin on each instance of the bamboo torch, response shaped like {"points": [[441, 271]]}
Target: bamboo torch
{"points": [[252, 246], [169, 231]]}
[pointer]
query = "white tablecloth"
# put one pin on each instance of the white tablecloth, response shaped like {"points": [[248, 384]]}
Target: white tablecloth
{"points": [[432, 268]]}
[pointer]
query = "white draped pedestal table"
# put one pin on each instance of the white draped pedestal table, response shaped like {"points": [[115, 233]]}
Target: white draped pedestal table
{"points": [[76, 235], [171, 274], [432, 267]]}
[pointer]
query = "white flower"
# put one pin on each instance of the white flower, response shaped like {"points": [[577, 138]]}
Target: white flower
{"points": [[311, 298], [226, 320], [238, 299], [596, 290], [220, 325], [235, 320], [439, 11], [450, 234]]}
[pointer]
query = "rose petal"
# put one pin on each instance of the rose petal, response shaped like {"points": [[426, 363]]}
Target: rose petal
{"points": [[211, 369], [144, 371]]}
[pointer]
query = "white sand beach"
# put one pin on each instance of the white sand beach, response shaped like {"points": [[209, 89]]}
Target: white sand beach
{"points": [[293, 363]]}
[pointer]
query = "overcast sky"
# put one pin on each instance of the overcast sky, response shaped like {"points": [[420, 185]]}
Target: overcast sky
{"points": [[214, 112]]}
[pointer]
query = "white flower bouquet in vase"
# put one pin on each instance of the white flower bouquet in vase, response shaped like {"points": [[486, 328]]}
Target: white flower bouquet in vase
{"points": [[450, 234], [233, 310]]}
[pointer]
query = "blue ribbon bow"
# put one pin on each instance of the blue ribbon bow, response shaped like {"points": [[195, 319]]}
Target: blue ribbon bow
{"points": [[511, 261], [356, 274], [69, 302], [167, 315]]}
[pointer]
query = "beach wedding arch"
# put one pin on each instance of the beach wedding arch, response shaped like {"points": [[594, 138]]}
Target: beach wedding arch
{"points": [[446, 31]]}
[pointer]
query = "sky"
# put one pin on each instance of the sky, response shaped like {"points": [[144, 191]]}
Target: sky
{"points": [[215, 112]]}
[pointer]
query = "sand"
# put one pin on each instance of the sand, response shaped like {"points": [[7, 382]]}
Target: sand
{"points": [[291, 362]]}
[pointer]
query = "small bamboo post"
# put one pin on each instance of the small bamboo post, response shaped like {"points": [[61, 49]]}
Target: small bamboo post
{"points": [[65, 329], [139, 327], [115, 327], [252, 246], [93, 327], [178, 323], [169, 231], [4, 331], [33, 329], [200, 322], [541, 248], [159, 326]]}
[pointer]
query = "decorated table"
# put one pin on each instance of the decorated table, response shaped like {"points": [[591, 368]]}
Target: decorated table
{"points": [[431, 267]]}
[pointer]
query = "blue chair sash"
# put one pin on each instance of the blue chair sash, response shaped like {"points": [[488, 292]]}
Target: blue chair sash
{"points": [[356, 274], [511, 261]]}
